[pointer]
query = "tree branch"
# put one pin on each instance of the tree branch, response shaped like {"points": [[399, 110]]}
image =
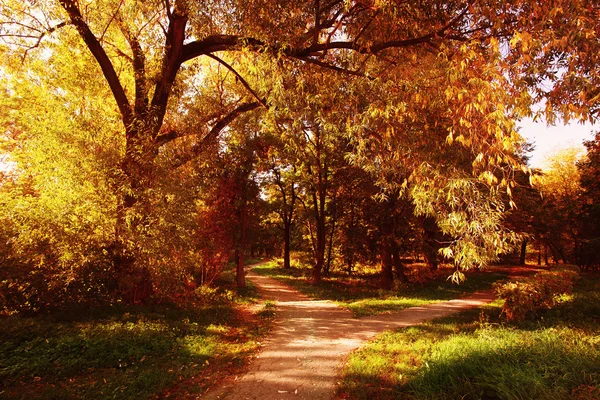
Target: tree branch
{"points": [[330, 66], [215, 131], [171, 62], [242, 80], [104, 62], [139, 67], [41, 36], [216, 43], [111, 20]]}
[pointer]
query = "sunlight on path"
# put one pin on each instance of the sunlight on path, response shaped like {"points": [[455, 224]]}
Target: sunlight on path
{"points": [[304, 353]]}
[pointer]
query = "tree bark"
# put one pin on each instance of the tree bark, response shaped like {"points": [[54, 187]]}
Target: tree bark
{"points": [[387, 275], [286, 245], [430, 245], [137, 169], [398, 266], [320, 249], [331, 233], [243, 226], [319, 196], [523, 252], [430, 257]]}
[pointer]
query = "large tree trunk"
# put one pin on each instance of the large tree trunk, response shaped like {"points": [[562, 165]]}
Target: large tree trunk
{"points": [[133, 277]]}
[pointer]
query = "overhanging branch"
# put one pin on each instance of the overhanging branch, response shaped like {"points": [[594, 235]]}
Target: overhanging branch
{"points": [[330, 66], [215, 43], [215, 131], [240, 78]]}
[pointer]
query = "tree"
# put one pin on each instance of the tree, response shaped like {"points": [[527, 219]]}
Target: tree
{"points": [[57, 209], [152, 54], [589, 171], [561, 216], [281, 186]]}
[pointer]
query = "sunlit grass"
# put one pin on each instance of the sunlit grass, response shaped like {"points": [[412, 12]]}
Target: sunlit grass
{"points": [[361, 295], [124, 353], [473, 356], [374, 306]]}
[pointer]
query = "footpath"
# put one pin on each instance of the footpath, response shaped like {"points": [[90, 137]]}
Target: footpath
{"points": [[303, 354]]}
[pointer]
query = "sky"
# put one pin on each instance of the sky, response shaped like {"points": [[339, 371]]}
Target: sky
{"points": [[549, 139]]}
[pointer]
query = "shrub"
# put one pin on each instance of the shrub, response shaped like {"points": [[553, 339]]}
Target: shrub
{"points": [[535, 293], [587, 255], [50, 286]]}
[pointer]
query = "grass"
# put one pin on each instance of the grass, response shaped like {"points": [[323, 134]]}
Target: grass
{"points": [[125, 352], [361, 296], [473, 355]]}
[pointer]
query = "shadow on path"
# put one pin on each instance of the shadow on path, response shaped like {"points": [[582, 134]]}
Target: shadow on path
{"points": [[302, 356]]}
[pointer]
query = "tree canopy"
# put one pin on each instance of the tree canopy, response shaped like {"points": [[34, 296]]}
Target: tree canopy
{"points": [[150, 103]]}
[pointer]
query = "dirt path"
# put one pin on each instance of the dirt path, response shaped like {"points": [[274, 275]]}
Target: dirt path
{"points": [[302, 356]]}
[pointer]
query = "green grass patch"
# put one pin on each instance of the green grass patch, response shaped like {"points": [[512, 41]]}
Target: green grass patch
{"points": [[361, 295], [121, 352], [473, 356]]}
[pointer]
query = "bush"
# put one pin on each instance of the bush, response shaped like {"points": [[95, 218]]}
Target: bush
{"points": [[534, 293], [29, 289], [587, 255]]}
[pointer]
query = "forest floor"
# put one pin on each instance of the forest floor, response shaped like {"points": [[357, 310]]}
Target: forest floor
{"points": [[302, 356]]}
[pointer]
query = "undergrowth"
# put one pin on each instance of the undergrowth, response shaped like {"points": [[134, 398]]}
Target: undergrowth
{"points": [[128, 352]]}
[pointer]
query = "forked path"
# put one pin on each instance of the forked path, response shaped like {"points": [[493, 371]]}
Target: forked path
{"points": [[302, 356]]}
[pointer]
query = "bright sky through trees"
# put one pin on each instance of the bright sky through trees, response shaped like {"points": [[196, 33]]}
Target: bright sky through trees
{"points": [[549, 139]]}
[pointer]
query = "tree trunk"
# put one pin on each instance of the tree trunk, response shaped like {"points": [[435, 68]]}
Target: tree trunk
{"points": [[387, 275], [286, 245], [321, 239], [350, 262], [553, 252], [133, 278], [430, 246], [330, 248], [239, 268], [430, 258], [373, 251], [523, 252], [241, 246], [398, 266], [320, 252]]}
